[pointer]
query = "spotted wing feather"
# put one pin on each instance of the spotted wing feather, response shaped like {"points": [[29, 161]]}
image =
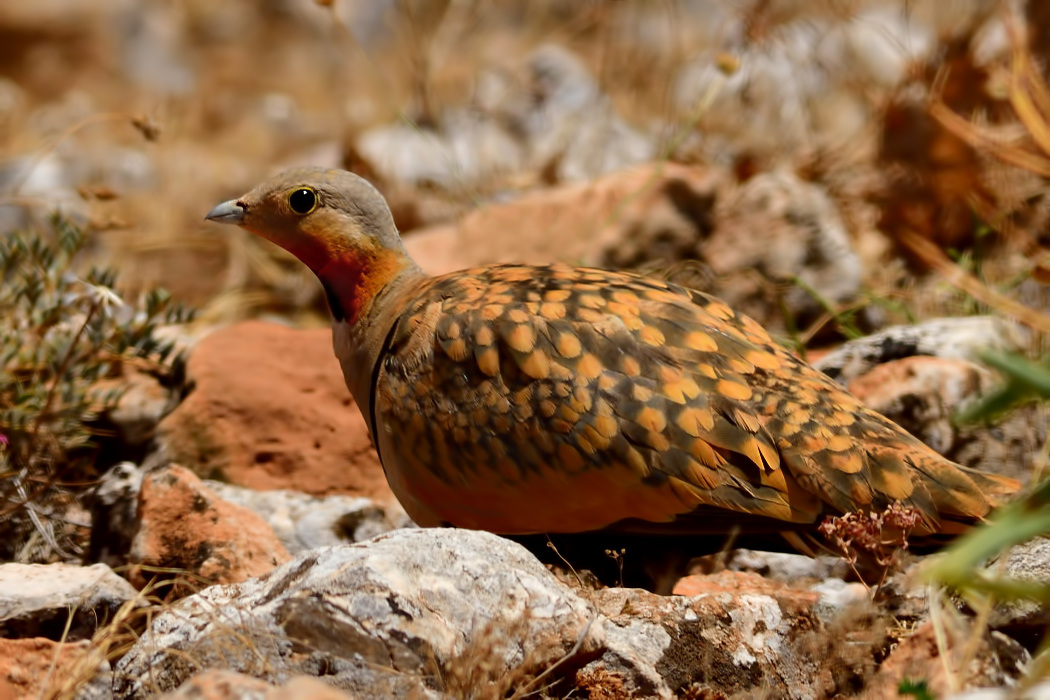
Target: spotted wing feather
{"points": [[525, 399]]}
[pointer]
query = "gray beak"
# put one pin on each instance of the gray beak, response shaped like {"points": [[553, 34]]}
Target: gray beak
{"points": [[227, 213]]}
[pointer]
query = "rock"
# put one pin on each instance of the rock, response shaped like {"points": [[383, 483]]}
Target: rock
{"points": [[303, 522], [442, 608], [800, 81], [572, 129], [733, 582], [124, 171], [1039, 691], [904, 593], [784, 228], [268, 409], [787, 567], [185, 525], [653, 212], [229, 685], [837, 597], [142, 404], [466, 149], [36, 600], [771, 82], [737, 634], [1024, 620], [950, 338], [299, 521], [39, 668], [115, 514], [46, 184], [925, 394], [995, 660], [553, 119], [882, 43], [655, 216], [454, 613]]}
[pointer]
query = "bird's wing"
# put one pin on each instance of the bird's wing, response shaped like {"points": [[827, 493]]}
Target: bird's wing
{"points": [[557, 399]]}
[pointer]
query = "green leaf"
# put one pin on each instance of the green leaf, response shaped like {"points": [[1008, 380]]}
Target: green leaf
{"points": [[1024, 381], [1016, 523], [916, 689]]}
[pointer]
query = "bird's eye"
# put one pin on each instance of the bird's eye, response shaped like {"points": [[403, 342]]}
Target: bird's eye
{"points": [[303, 200]]}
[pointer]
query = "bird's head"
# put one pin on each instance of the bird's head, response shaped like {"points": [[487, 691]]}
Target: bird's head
{"points": [[316, 214], [335, 222]]}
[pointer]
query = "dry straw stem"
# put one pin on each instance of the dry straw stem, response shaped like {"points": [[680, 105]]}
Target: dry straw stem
{"points": [[1030, 100], [479, 672], [958, 637], [110, 642], [232, 642], [942, 617], [143, 125], [933, 256]]}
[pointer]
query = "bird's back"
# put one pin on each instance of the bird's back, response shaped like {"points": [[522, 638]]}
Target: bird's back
{"points": [[522, 399]]}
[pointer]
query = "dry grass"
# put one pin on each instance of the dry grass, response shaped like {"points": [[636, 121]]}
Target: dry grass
{"points": [[110, 642], [216, 147]]}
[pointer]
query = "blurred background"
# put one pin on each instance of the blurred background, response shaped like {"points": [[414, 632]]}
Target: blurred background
{"points": [[790, 155]]}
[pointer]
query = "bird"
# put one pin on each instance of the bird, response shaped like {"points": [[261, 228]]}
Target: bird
{"points": [[596, 406]]}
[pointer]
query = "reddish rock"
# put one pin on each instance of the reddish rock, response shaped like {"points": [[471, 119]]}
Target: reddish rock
{"points": [[745, 245], [652, 212], [185, 525], [39, 668], [741, 582], [269, 410], [219, 685], [993, 660], [922, 394]]}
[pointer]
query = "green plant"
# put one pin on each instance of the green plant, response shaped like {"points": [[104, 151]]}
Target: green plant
{"points": [[60, 335], [919, 690], [964, 566], [1018, 522]]}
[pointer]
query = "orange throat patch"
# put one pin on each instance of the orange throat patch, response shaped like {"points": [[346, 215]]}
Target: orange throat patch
{"points": [[352, 279]]}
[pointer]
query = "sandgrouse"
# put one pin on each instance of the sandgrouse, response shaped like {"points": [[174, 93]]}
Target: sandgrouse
{"points": [[538, 400]]}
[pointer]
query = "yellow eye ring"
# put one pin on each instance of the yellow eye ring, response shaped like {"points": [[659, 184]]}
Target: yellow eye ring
{"points": [[302, 200]]}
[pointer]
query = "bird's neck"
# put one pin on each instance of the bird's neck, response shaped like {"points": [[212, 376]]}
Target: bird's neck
{"points": [[353, 280], [365, 302]]}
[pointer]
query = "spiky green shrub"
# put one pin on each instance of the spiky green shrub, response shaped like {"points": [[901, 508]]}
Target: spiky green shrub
{"points": [[61, 334]]}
